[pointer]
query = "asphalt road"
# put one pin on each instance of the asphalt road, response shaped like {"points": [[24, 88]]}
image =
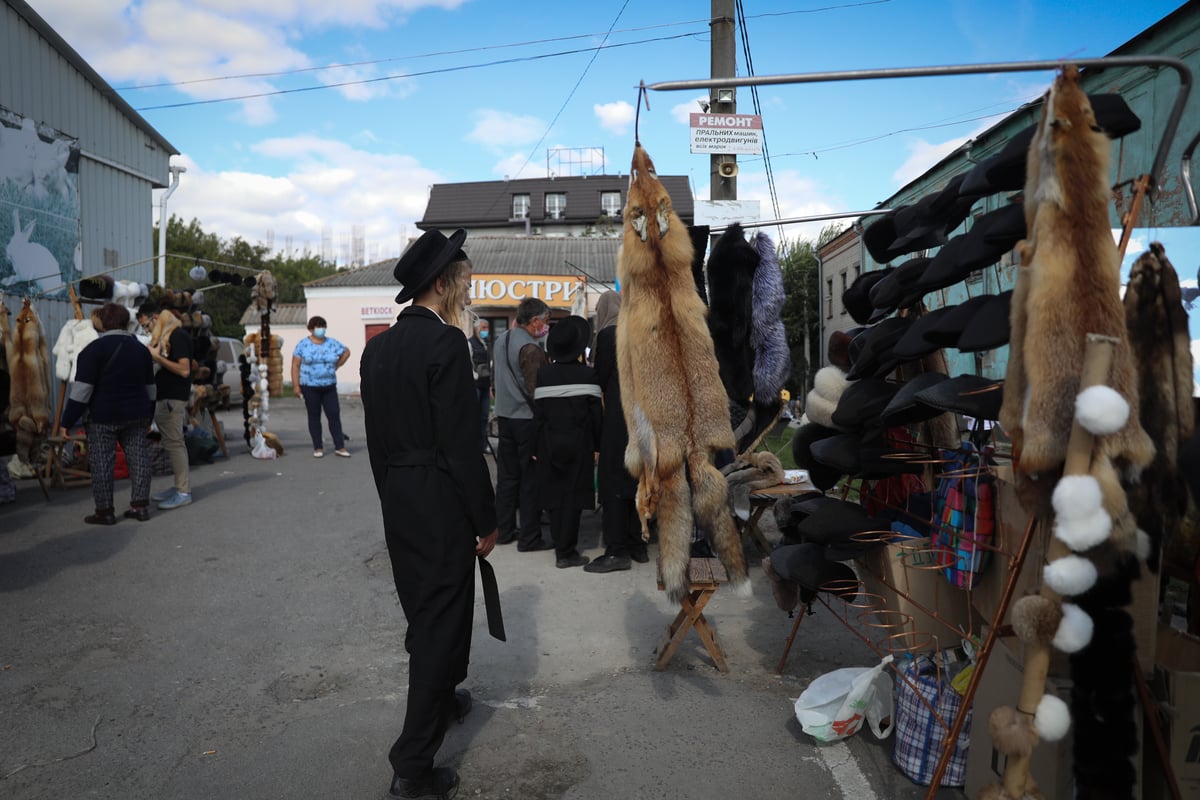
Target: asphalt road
{"points": [[251, 646]]}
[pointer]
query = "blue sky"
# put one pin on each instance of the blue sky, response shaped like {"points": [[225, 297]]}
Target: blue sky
{"points": [[462, 90]]}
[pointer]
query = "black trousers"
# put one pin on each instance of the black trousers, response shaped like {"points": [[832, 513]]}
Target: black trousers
{"points": [[516, 483], [564, 530], [425, 721], [316, 399], [484, 394], [620, 526]]}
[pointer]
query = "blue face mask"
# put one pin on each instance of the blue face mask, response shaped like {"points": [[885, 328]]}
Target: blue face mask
{"points": [[483, 334], [319, 333]]}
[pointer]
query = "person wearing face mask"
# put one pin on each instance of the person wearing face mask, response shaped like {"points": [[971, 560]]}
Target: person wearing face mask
{"points": [[482, 368], [518, 354], [315, 362]]}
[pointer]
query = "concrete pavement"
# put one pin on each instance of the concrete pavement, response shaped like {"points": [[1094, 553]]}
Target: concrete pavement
{"points": [[251, 646]]}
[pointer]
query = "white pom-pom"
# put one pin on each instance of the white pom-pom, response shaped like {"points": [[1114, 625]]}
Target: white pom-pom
{"points": [[1053, 718], [1101, 410], [1075, 631], [1084, 534], [1077, 497], [1070, 575], [1144, 545]]}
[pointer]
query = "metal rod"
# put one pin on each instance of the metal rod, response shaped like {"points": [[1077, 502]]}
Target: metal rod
{"points": [[811, 218], [1169, 128]]}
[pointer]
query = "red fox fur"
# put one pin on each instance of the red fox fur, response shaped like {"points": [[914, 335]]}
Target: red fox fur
{"points": [[671, 392], [29, 368], [1068, 286], [160, 331]]}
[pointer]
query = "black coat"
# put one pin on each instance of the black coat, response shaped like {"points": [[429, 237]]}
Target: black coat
{"points": [[422, 426], [568, 412], [614, 480]]}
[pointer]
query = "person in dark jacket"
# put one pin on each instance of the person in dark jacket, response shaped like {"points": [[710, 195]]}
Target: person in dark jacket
{"points": [[568, 414], [481, 364], [114, 385], [435, 492], [617, 488]]}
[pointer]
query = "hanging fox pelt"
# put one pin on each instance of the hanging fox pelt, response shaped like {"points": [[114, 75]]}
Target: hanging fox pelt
{"points": [[671, 393], [29, 367], [1067, 287]]}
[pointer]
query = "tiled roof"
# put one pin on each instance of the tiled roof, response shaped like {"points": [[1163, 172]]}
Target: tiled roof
{"points": [[283, 314], [593, 257], [483, 204]]}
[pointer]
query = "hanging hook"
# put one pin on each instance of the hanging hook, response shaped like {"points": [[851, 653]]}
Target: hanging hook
{"points": [[643, 96]]}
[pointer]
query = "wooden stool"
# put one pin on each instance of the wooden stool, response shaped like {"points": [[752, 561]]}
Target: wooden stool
{"points": [[58, 475], [760, 501], [705, 576], [218, 433]]}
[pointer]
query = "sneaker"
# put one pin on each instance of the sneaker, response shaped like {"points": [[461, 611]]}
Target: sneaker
{"points": [[344, 453], [180, 499], [165, 494], [318, 453]]}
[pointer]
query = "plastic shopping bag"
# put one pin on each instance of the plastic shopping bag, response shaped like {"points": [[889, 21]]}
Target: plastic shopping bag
{"points": [[836, 704]]}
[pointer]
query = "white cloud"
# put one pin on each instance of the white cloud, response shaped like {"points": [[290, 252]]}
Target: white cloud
{"points": [[681, 112], [923, 154], [519, 165], [798, 197], [615, 117], [329, 188], [496, 128]]}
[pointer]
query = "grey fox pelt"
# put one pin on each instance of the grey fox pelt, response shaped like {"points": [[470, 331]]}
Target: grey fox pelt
{"points": [[671, 392], [1068, 285]]}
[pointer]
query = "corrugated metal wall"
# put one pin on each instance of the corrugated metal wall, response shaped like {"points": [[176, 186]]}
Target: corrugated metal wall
{"points": [[120, 162]]}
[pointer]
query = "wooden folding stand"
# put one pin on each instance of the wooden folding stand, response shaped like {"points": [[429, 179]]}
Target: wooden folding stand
{"points": [[760, 501], [705, 576]]}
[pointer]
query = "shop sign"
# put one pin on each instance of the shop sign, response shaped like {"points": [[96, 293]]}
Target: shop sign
{"points": [[726, 134], [557, 291], [377, 312]]}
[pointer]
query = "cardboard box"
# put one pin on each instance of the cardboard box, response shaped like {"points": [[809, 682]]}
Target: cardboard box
{"points": [[937, 614], [1179, 671], [1000, 685], [1011, 519]]}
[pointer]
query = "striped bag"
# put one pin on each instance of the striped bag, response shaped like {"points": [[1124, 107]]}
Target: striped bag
{"points": [[965, 514]]}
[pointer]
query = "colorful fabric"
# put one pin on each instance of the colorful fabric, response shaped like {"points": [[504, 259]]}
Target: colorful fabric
{"points": [[964, 514], [919, 733]]}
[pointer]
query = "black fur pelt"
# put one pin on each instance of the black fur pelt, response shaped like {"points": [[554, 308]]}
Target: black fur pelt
{"points": [[699, 235], [731, 267], [1102, 708], [1158, 336]]}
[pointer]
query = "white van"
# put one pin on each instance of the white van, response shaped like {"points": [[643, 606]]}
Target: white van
{"points": [[229, 370]]}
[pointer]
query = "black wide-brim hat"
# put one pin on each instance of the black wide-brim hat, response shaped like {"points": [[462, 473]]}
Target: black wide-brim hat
{"points": [[822, 475], [913, 344], [857, 297], [993, 235], [1003, 172], [990, 327], [568, 339], [849, 530], [970, 395], [904, 408], [944, 332], [425, 259], [807, 565], [876, 356], [862, 402], [887, 295]]}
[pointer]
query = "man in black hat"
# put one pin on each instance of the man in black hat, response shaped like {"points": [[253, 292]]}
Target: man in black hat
{"points": [[439, 513]]}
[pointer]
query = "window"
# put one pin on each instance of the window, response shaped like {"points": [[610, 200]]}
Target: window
{"points": [[843, 283], [829, 298], [520, 207], [556, 205], [610, 204]]}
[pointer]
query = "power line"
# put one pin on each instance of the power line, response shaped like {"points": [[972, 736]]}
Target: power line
{"points": [[482, 48], [462, 68], [741, 13]]}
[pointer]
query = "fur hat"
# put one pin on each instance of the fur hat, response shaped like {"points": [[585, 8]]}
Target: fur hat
{"points": [[568, 338], [425, 259], [837, 352], [971, 395]]}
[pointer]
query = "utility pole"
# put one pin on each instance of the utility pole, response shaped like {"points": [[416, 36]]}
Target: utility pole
{"points": [[722, 101]]}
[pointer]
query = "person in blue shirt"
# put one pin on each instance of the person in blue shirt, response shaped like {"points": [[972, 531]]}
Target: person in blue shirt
{"points": [[314, 371]]}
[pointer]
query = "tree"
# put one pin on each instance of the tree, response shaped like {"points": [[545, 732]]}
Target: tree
{"points": [[188, 245], [801, 311]]}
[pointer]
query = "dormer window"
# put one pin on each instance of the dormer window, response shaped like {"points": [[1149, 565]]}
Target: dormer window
{"points": [[556, 205], [610, 204], [520, 206]]}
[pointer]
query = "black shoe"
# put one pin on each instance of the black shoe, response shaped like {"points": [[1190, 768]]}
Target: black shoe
{"points": [[536, 547], [571, 561], [639, 555], [462, 704], [608, 564], [505, 541], [140, 513], [103, 516], [440, 784]]}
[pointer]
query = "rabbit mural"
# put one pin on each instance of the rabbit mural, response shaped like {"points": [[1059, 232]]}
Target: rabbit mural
{"points": [[31, 262]]}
